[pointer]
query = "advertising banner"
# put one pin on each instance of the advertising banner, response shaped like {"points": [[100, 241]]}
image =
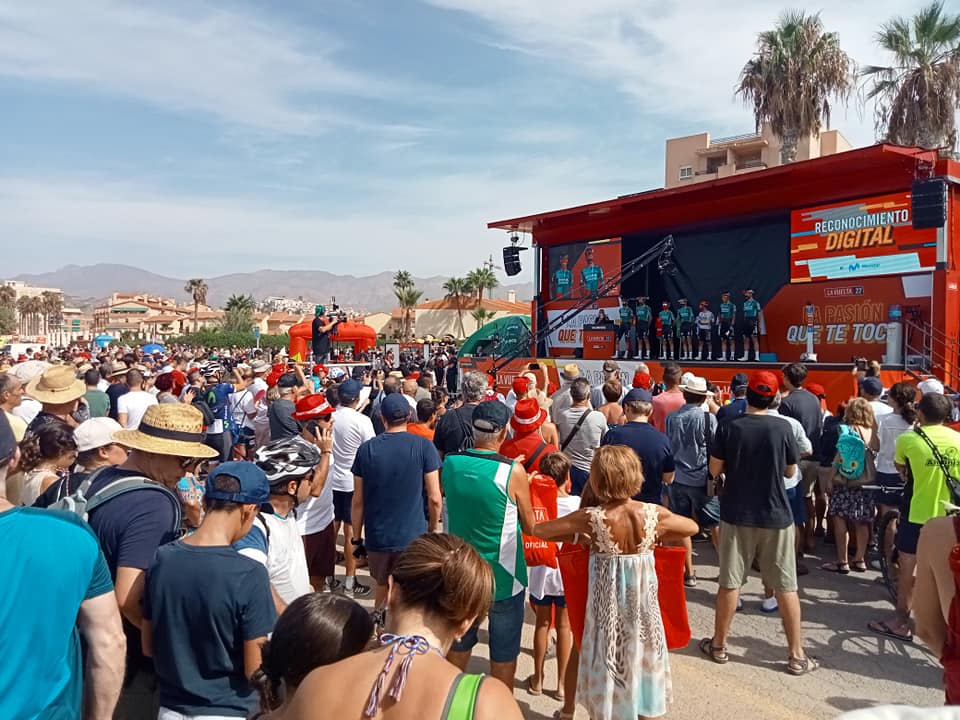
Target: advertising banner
{"points": [[868, 237], [578, 271], [849, 319]]}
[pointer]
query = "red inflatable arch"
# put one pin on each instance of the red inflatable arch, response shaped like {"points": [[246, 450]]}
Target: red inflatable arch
{"points": [[362, 336]]}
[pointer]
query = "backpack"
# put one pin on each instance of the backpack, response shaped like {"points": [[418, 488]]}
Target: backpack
{"points": [[80, 504], [852, 454]]}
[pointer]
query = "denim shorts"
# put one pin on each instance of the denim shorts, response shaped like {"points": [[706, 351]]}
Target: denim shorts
{"points": [[547, 600], [693, 502], [506, 627], [798, 504]]}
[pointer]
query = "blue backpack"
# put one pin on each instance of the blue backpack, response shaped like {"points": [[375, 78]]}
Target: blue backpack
{"points": [[852, 451]]}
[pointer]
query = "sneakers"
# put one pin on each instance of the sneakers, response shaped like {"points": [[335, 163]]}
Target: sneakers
{"points": [[690, 581], [745, 358], [769, 605], [333, 586], [358, 590]]}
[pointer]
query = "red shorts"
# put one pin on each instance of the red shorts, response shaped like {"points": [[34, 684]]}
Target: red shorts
{"points": [[321, 551]]}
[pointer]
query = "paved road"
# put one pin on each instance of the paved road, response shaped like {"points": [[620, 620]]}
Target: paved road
{"points": [[859, 669]]}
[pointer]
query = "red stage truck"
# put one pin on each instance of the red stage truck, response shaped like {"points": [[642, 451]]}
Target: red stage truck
{"points": [[834, 232]]}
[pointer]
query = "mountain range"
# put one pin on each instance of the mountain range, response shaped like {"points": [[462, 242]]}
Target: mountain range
{"points": [[87, 285]]}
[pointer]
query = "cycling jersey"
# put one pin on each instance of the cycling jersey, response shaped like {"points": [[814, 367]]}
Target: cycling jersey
{"points": [[592, 276], [643, 314], [705, 320], [751, 308], [666, 317], [685, 314], [563, 279], [727, 311], [626, 314]]}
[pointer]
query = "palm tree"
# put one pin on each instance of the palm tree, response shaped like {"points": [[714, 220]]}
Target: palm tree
{"points": [[238, 315], [402, 280], [483, 278], [8, 296], [240, 303], [481, 315], [918, 95], [196, 288], [407, 298], [456, 288], [789, 82], [51, 308], [29, 309]]}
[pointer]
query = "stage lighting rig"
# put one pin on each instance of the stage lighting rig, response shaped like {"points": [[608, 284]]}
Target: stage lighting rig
{"points": [[511, 255], [665, 263]]}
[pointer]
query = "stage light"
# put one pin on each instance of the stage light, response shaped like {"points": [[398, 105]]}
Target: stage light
{"points": [[511, 255]]}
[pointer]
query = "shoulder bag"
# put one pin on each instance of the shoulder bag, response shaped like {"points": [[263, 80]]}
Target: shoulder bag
{"points": [[952, 483], [576, 429]]}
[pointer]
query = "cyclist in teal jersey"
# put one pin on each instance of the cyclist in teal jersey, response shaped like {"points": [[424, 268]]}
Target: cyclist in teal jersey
{"points": [[685, 317], [728, 321], [626, 328], [751, 326], [668, 323], [563, 279], [644, 317], [591, 277]]}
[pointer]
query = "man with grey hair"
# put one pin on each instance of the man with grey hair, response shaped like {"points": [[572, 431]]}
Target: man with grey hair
{"points": [[488, 502], [49, 612], [280, 412], [581, 430], [453, 432]]}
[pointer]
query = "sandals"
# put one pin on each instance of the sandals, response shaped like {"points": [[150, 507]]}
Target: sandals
{"points": [[717, 654], [531, 689], [842, 568], [882, 627], [858, 566], [802, 666]]}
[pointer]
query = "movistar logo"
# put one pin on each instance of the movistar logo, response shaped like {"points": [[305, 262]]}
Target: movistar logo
{"points": [[855, 267]]}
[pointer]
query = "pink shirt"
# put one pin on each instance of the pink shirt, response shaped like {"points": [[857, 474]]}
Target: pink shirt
{"points": [[664, 404]]}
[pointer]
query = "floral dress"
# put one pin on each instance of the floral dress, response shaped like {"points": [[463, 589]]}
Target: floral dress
{"points": [[624, 665]]}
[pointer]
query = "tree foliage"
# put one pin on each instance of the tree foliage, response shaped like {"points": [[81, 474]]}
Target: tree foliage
{"points": [[220, 337], [918, 95], [797, 69]]}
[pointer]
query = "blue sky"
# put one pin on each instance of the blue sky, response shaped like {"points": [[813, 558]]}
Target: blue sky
{"points": [[200, 138]]}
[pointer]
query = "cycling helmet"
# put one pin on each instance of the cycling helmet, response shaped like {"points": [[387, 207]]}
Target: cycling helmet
{"points": [[286, 459]]}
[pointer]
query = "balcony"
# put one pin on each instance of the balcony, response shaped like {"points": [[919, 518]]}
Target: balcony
{"points": [[751, 165]]}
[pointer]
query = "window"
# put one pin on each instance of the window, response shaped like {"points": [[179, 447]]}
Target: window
{"points": [[715, 163], [686, 172]]}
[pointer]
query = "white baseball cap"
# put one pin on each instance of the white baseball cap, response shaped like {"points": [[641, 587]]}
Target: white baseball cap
{"points": [[95, 433], [930, 386]]}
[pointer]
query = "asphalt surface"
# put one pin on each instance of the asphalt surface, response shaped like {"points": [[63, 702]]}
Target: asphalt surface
{"points": [[859, 669]]}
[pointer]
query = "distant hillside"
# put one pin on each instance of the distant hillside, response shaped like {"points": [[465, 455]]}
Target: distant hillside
{"points": [[91, 283]]}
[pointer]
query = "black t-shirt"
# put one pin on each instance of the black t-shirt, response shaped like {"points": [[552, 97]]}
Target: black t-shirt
{"points": [[827, 451], [655, 453], [319, 339], [756, 450], [114, 392], [803, 406], [453, 428]]}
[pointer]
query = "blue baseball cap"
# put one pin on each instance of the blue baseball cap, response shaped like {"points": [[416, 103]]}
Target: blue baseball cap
{"points": [[254, 485], [395, 408], [348, 391], [638, 395]]}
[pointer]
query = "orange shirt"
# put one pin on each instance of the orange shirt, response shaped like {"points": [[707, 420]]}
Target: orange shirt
{"points": [[421, 430]]}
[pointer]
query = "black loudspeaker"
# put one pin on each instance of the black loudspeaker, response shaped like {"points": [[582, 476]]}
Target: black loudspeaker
{"points": [[511, 260], [928, 204]]}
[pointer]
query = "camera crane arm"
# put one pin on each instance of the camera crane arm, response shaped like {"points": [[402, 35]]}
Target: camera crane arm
{"points": [[662, 252]]}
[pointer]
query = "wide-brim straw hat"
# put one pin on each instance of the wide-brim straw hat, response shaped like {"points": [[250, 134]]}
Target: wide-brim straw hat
{"points": [[169, 429], [57, 385]]}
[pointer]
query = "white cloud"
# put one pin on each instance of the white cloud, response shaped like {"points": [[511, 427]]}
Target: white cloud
{"points": [[236, 67], [678, 60]]}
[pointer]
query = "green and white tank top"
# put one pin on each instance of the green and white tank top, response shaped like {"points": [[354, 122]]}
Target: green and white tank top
{"points": [[480, 511]]}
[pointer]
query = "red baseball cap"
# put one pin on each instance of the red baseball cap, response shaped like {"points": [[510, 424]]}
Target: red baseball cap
{"points": [[312, 406], [764, 383], [817, 389], [317, 369], [642, 380]]}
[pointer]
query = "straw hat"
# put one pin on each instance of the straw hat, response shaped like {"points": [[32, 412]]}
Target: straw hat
{"points": [[56, 385], [169, 429]]}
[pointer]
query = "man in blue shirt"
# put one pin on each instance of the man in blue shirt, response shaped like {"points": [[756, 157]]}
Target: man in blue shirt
{"points": [[57, 588], [738, 405], [396, 491], [208, 609], [651, 446]]}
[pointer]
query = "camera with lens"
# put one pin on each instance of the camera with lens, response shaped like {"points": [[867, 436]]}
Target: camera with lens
{"points": [[860, 362], [338, 313]]}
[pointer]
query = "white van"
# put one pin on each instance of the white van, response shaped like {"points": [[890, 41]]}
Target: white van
{"points": [[15, 350]]}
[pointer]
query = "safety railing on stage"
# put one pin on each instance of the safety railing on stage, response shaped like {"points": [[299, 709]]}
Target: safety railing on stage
{"points": [[931, 351]]}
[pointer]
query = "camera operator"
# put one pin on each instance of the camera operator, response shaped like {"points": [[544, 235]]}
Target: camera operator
{"points": [[320, 331]]}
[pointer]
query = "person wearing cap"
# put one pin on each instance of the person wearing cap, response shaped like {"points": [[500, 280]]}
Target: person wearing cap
{"points": [[488, 502], [520, 388], [930, 385], [750, 330], [561, 398], [685, 322], [130, 527], [928, 492], [453, 432], [651, 446], [871, 388], [48, 612], [668, 323], [644, 318], [350, 430], [738, 403], [581, 429], [315, 515], [755, 452], [396, 495], [201, 583], [320, 330], [118, 386], [690, 430], [528, 441], [281, 410], [58, 391], [217, 396], [611, 371]]}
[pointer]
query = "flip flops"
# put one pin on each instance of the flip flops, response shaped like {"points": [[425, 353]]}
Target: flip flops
{"points": [[882, 627]]}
